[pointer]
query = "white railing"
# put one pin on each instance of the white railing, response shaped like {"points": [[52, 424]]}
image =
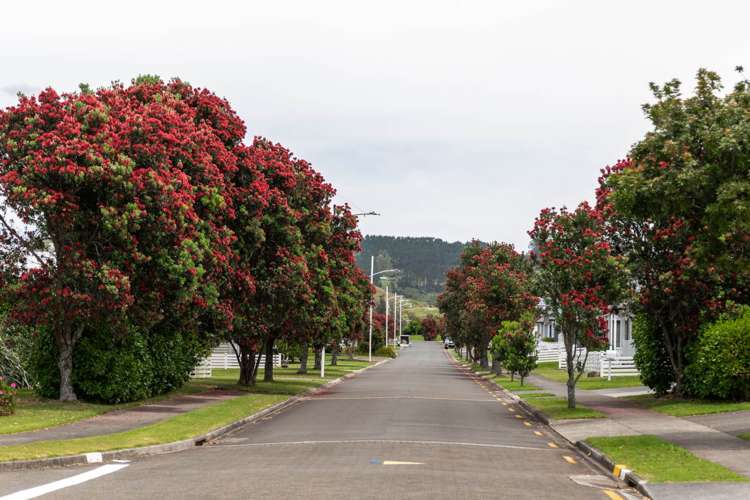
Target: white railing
{"points": [[593, 362], [617, 366], [548, 351], [203, 370]]}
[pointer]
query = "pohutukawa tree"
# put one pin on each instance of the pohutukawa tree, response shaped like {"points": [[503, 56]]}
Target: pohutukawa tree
{"points": [[578, 278], [117, 198], [679, 210], [491, 285]]}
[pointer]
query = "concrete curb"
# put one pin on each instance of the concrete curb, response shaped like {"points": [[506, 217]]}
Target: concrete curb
{"points": [[617, 471], [160, 449]]}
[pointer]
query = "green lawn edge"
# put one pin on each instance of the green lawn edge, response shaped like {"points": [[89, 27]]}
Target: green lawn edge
{"points": [[687, 407], [659, 461], [194, 423], [550, 371], [556, 408], [35, 413]]}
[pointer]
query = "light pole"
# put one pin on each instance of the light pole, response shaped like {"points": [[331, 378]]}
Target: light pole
{"points": [[372, 280], [396, 339]]}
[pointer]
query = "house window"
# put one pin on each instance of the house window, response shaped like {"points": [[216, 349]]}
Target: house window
{"points": [[540, 329], [627, 329], [617, 334]]}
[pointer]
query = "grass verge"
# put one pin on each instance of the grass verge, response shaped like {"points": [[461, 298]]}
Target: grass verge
{"points": [[745, 436], [194, 423], [557, 408], [34, 413], [177, 428], [550, 371], [659, 461], [687, 407], [505, 382]]}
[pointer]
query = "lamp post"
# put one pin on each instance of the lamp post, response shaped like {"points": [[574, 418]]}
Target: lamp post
{"points": [[372, 280]]}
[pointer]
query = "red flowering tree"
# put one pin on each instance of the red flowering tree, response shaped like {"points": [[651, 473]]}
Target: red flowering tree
{"points": [[117, 199], [429, 327], [679, 209], [490, 286], [578, 278]]}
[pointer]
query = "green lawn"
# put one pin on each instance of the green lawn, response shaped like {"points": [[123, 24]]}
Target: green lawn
{"points": [[552, 372], [658, 461], [745, 436], [687, 407], [177, 428], [505, 382], [34, 412], [416, 338], [557, 408]]}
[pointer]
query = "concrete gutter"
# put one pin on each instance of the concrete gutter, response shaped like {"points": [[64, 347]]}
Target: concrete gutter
{"points": [[160, 449], [595, 456], [617, 471]]}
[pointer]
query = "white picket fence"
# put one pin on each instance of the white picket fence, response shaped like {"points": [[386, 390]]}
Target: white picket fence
{"points": [[592, 362], [619, 366], [223, 357], [547, 351]]}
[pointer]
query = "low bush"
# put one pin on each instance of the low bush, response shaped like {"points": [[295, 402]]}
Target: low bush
{"points": [[117, 369], [387, 351], [651, 357], [720, 361]]}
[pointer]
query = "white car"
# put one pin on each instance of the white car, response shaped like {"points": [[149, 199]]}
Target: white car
{"points": [[448, 343]]}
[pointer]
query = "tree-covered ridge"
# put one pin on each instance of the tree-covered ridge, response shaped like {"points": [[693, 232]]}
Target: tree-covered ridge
{"points": [[424, 261]]}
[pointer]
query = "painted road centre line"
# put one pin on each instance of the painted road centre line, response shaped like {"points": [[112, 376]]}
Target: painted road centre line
{"points": [[64, 483]]}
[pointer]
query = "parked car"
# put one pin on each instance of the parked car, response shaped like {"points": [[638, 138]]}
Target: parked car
{"points": [[448, 343]]}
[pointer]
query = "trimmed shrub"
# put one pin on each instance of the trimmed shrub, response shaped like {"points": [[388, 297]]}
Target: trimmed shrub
{"points": [[720, 361], [651, 356], [387, 351], [112, 369]]}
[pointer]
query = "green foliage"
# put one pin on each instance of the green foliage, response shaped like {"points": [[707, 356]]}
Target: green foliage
{"points": [[15, 351], [414, 328], [423, 261], [520, 350], [651, 356], [387, 351], [720, 361], [116, 369]]}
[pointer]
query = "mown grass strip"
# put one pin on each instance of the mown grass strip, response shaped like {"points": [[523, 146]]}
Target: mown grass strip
{"points": [[687, 407], [34, 413], [659, 461], [550, 371], [177, 428], [557, 408]]}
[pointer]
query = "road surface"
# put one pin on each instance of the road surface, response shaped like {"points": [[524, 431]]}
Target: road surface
{"points": [[416, 427]]}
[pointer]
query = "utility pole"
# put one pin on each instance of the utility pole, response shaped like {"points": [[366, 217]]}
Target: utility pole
{"points": [[396, 338], [372, 275], [386, 313]]}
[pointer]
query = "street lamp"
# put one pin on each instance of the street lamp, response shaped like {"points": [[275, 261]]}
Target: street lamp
{"points": [[372, 281]]}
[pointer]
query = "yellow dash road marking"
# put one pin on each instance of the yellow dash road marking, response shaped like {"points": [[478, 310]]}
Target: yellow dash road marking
{"points": [[611, 494], [569, 459], [552, 445], [527, 423], [538, 433]]}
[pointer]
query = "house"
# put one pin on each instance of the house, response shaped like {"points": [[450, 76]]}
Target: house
{"points": [[615, 360]]}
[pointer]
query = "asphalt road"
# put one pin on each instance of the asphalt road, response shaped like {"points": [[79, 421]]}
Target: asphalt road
{"points": [[416, 427]]}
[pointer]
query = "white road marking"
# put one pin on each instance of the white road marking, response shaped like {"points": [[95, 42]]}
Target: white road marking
{"points": [[383, 441], [64, 483], [396, 462]]}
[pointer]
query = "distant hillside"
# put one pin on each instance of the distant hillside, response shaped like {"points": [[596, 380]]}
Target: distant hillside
{"points": [[424, 262]]}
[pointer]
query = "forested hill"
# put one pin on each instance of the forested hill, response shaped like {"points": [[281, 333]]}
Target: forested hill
{"points": [[423, 260]]}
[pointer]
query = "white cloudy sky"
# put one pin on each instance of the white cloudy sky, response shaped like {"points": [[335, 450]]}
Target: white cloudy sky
{"points": [[455, 119]]}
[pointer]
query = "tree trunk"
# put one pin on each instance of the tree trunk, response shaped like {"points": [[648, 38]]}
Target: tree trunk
{"points": [[496, 368], [247, 366], [65, 343], [268, 371], [334, 355], [303, 359], [569, 356], [483, 362], [318, 357]]}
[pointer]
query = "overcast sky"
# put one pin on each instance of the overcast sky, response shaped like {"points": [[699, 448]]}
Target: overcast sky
{"points": [[451, 119]]}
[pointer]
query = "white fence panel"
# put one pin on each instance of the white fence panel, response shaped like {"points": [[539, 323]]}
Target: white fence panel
{"points": [[593, 362], [203, 370], [547, 351], [620, 366], [223, 357]]}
